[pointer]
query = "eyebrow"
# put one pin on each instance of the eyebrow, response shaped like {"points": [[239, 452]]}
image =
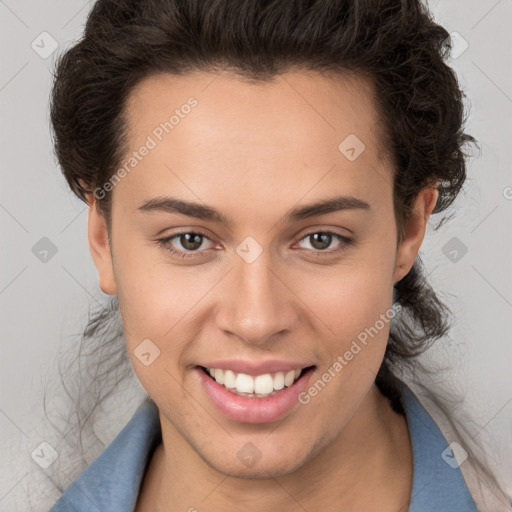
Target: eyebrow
{"points": [[167, 204]]}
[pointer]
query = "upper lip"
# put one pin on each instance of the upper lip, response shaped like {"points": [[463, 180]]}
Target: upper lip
{"points": [[256, 368]]}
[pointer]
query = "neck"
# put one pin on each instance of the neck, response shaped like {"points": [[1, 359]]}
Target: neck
{"points": [[368, 465]]}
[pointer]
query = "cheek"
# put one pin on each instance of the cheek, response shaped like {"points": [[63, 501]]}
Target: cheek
{"points": [[354, 294], [354, 306], [154, 302], [165, 304], [153, 293], [147, 296]]}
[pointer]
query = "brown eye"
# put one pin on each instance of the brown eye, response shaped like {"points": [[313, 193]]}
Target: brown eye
{"points": [[187, 244], [191, 241], [320, 241]]}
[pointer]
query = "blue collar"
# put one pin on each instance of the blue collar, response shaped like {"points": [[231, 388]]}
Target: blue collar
{"points": [[111, 482], [437, 485]]}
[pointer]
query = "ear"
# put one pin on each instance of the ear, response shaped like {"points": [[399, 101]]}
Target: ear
{"points": [[414, 232], [99, 246]]}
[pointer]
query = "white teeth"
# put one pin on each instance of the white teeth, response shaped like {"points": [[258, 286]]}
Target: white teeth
{"points": [[279, 381], [289, 377], [229, 379], [259, 386], [264, 384], [219, 376], [244, 383]]}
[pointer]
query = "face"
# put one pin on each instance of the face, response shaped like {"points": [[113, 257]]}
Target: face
{"points": [[254, 278]]}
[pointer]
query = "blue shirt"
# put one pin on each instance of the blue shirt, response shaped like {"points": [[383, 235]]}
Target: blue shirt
{"points": [[111, 482]]}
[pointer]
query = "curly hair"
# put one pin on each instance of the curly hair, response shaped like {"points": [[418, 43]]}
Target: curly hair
{"points": [[394, 44]]}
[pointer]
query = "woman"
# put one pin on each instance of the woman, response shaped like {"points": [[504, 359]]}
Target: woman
{"points": [[259, 177]]}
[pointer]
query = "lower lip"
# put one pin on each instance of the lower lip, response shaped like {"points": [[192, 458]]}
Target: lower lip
{"points": [[254, 410]]}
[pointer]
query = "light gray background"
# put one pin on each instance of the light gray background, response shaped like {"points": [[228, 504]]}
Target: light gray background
{"points": [[44, 303]]}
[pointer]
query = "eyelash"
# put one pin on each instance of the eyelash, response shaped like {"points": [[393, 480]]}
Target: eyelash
{"points": [[345, 243]]}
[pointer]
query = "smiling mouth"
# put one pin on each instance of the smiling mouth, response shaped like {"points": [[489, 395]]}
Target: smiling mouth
{"points": [[260, 386]]}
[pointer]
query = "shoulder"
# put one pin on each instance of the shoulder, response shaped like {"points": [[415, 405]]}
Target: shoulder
{"points": [[111, 482], [438, 483]]}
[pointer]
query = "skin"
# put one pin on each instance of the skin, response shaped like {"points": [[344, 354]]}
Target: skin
{"points": [[255, 151]]}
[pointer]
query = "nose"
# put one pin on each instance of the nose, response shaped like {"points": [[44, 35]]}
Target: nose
{"points": [[258, 306]]}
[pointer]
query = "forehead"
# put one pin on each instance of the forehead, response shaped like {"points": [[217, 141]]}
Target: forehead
{"points": [[310, 102], [288, 131]]}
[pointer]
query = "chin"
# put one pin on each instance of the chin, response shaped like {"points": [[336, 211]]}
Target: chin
{"points": [[245, 460], [260, 470]]}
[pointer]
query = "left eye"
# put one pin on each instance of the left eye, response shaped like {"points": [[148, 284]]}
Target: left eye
{"points": [[321, 240]]}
